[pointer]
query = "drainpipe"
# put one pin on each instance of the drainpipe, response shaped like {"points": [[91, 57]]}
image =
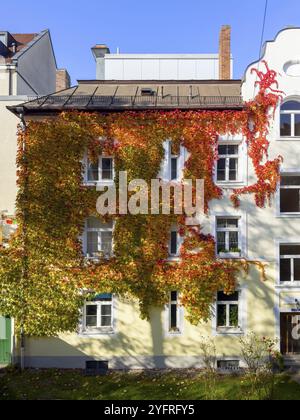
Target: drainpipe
{"points": [[20, 111]]}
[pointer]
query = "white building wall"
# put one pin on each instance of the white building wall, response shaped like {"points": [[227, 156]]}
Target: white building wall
{"points": [[159, 67]]}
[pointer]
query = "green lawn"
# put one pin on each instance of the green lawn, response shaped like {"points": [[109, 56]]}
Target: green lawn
{"points": [[73, 385]]}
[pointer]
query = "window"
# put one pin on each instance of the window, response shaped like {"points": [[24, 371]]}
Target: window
{"points": [[290, 119], [174, 244], [228, 311], [99, 238], [290, 194], [227, 167], [174, 168], [289, 263], [98, 314], [100, 171], [228, 235], [174, 313]]}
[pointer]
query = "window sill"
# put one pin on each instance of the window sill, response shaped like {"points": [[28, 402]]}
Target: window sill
{"points": [[229, 331], [289, 138], [288, 215], [229, 256], [230, 184], [98, 259], [174, 258], [98, 183], [288, 285], [97, 333]]}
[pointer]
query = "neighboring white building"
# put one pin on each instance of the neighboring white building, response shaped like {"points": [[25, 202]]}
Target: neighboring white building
{"points": [[27, 69], [166, 66]]}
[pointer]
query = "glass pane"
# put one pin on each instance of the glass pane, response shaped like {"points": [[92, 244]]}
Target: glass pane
{"points": [[221, 316], [221, 173], [174, 296], [106, 321], [233, 241], [222, 150], [105, 310], [297, 269], [107, 168], [92, 243], [285, 270], [173, 316], [291, 106], [221, 242], [285, 125], [297, 124], [174, 169], [229, 149], [290, 180], [173, 245], [93, 171], [106, 242], [91, 315], [233, 169], [222, 297], [234, 316], [290, 250], [228, 223], [289, 200], [233, 149]]}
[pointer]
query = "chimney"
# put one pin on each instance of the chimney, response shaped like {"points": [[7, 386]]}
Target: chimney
{"points": [[63, 80], [99, 52], [225, 53]]}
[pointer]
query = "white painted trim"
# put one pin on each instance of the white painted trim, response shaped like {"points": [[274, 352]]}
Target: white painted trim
{"points": [[242, 317], [180, 320], [278, 242]]}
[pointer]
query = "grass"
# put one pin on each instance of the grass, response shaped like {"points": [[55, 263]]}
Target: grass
{"points": [[73, 385]]}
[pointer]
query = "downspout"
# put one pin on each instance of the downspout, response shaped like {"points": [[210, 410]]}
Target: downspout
{"points": [[24, 278]]}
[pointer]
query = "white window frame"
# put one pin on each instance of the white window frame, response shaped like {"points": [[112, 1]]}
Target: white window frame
{"points": [[227, 230], [242, 156], [99, 231], [180, 240], [242, 307], [287, 173], [179, 314], [285, 241], [100, 179], [166, 166], [99, 330], [292, 113]]}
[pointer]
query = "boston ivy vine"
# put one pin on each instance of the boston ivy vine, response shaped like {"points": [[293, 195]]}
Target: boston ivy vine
{"points": [[43, 273]]}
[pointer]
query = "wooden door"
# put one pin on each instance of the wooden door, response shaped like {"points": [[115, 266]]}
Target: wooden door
{"points": [[290, 333]]}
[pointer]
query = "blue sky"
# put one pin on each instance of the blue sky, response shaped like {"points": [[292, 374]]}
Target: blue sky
{"points": [[153, 26]]}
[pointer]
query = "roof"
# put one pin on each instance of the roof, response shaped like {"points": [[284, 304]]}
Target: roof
{"points": [[103, 96]]}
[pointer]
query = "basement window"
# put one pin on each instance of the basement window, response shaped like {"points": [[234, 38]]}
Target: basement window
{"points": [[228, 365], [290, 194]]}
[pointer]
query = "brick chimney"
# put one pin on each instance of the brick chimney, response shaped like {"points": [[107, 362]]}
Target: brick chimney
{"points": [[225, 53], [63, 80]]}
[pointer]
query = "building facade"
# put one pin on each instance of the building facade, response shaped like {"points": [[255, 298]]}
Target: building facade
{"points": [[27, 70], [110, 327]]}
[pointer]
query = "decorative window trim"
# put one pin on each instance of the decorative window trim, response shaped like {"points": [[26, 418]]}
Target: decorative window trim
{"points": [[242, 230], [278, 243], [292, 137], [85, 240], [278, 214], [100, 181], [242, 329], [180, 318], [166, 166], [101, 331], [242, 162], [180, 240]]}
